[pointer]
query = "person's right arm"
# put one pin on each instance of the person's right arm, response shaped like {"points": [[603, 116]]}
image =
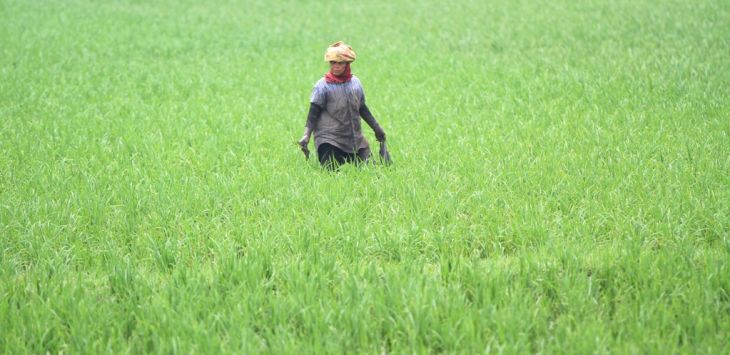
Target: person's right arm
{"points": [[314, 112]]}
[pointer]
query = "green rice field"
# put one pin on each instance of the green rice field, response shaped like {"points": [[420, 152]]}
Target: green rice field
{"points": [[561, 178]]}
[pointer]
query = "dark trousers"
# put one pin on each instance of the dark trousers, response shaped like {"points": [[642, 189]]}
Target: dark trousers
{"points": [[332, 157]]}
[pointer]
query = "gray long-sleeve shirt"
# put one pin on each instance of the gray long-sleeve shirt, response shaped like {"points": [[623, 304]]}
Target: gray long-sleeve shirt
{"points": [[339, 123]]}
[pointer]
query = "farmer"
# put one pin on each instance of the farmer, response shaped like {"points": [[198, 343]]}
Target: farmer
{"points": [[336, 105]]}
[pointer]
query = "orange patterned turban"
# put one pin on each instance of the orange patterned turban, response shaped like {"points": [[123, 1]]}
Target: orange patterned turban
{"points": [[339, 52]]}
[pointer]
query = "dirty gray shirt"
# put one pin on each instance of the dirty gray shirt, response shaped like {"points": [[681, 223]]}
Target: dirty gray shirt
{"points": [[339, 123]]}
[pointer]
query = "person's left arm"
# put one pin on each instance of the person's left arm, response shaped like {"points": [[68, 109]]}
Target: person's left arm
{"points": [[370, 120]]}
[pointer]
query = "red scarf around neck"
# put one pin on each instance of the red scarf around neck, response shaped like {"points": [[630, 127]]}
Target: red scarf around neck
{"points": [[345, 77]]}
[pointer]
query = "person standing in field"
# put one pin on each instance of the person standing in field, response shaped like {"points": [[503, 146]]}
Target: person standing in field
{"points": [[336, 105]]}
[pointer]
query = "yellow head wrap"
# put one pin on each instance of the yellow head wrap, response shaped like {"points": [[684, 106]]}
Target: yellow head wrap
{"points": [[339, 52]]}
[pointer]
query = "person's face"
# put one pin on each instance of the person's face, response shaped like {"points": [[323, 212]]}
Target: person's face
{"points": [[337, 68]]}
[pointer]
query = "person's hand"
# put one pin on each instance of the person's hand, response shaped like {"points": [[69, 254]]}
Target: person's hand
{"points": [[304, 145], [379, 134]]}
